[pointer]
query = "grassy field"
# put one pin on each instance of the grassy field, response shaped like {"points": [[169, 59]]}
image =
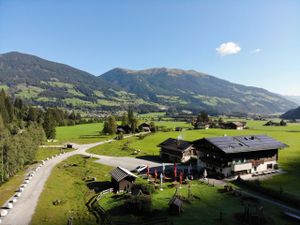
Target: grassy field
{"points": [[44, 153], [289, 158], [204, 209], [66, 184], [8, 189], [84, 133]]}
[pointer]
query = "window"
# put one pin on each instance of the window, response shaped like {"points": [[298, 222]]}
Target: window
{"points": [[270, 166]]}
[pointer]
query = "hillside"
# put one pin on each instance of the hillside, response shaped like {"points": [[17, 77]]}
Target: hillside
{"points": [[48, 83], [188, 89], [292, 114], [293, 98]]}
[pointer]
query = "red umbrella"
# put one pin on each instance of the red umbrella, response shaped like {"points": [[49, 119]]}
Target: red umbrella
{"points": [[175, 171], [155, 174], [180, 177], [148, 171]]}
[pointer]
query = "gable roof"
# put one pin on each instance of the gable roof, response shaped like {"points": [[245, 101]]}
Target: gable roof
{"points": [[237, 144], [175, 143], [120, 173]]}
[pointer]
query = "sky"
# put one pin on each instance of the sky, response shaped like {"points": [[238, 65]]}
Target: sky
{"points": [[251, 42]]}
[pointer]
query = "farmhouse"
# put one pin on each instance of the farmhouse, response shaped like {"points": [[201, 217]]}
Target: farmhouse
{"points": [[238, 156], [145, 127], [176, 150], [122, 179], [234, 125], [124, 129]]}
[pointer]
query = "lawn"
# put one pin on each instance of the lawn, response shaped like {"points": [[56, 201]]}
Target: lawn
{"points": [[83, 133], [66, 184], [204, 209]]}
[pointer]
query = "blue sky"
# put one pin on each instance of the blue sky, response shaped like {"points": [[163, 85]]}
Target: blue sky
{"points": [[256, 43]]}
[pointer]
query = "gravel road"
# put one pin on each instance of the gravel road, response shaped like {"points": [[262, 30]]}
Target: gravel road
{"points": [[24, 208]]}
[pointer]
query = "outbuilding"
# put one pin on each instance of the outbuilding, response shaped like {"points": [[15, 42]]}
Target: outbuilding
{"points": [[122, 179]]}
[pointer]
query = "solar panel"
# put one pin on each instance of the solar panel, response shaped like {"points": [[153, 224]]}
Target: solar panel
{"points": [[237, 144]]}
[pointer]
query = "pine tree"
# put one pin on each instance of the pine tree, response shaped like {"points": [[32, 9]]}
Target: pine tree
{"points": [[3, 109], [110, 126], [124, 119], [133, 121], [49, 125]]}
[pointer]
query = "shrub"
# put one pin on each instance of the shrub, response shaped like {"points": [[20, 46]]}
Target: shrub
{"points": [[139, 204]]}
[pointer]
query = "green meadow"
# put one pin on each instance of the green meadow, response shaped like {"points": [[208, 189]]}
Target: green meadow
{"points": [[81, 134], [289, 158], [66, 185], [204, 208]]}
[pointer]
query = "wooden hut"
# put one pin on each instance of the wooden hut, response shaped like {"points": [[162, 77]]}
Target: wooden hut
{"points": [[176, 206], [122, 179]]}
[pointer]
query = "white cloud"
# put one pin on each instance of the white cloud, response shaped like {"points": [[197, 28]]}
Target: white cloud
{"points": [[255, 51], [228, 48]]}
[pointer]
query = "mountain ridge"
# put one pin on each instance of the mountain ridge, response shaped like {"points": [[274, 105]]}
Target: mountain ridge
{"points": [[47, 83], [216, 94]]}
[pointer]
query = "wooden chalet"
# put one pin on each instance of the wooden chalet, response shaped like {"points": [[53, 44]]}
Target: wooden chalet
{"points": [[238, 156], [122, 179], [144, 127], [126, 129], [175, 150], [234, 125], [201, 125]]}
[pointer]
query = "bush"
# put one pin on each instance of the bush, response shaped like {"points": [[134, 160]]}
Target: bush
{"points": [[146, 188], [120, 136], [139, 204]]}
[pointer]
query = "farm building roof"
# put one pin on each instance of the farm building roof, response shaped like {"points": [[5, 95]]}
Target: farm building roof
{"points": [[120, 173], [237, 144], [176, 143]]}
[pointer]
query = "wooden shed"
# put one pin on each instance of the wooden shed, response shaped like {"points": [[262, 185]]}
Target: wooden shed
{"points": [[122, 179], [176, 206]]}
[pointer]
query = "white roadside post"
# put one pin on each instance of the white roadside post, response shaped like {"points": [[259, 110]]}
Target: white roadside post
{"points": [[161, 181]]}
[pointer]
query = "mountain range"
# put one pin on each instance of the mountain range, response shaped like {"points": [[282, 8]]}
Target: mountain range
{"points": [[293, 98], [46, 83]]}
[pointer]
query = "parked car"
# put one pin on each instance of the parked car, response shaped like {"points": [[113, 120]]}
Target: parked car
{"points": [[139, 168]]}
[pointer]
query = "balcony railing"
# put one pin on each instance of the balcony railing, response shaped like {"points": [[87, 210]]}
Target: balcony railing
{"points": [[241, 166]]}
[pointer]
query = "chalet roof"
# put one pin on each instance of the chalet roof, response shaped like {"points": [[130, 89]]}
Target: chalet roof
{"points": [[144, 125], [176, 201], [236, 123], [120, 173], [238, 144], [175, 143]]}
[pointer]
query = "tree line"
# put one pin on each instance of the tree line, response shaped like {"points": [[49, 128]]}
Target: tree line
{"points": [[128, 119], [23, 128], [20, 136]]}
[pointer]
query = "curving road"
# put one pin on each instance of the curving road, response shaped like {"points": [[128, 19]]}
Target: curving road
{"points": [[24, 208]]}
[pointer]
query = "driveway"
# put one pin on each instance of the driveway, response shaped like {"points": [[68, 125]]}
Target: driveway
{"points": [[24, 208]]}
